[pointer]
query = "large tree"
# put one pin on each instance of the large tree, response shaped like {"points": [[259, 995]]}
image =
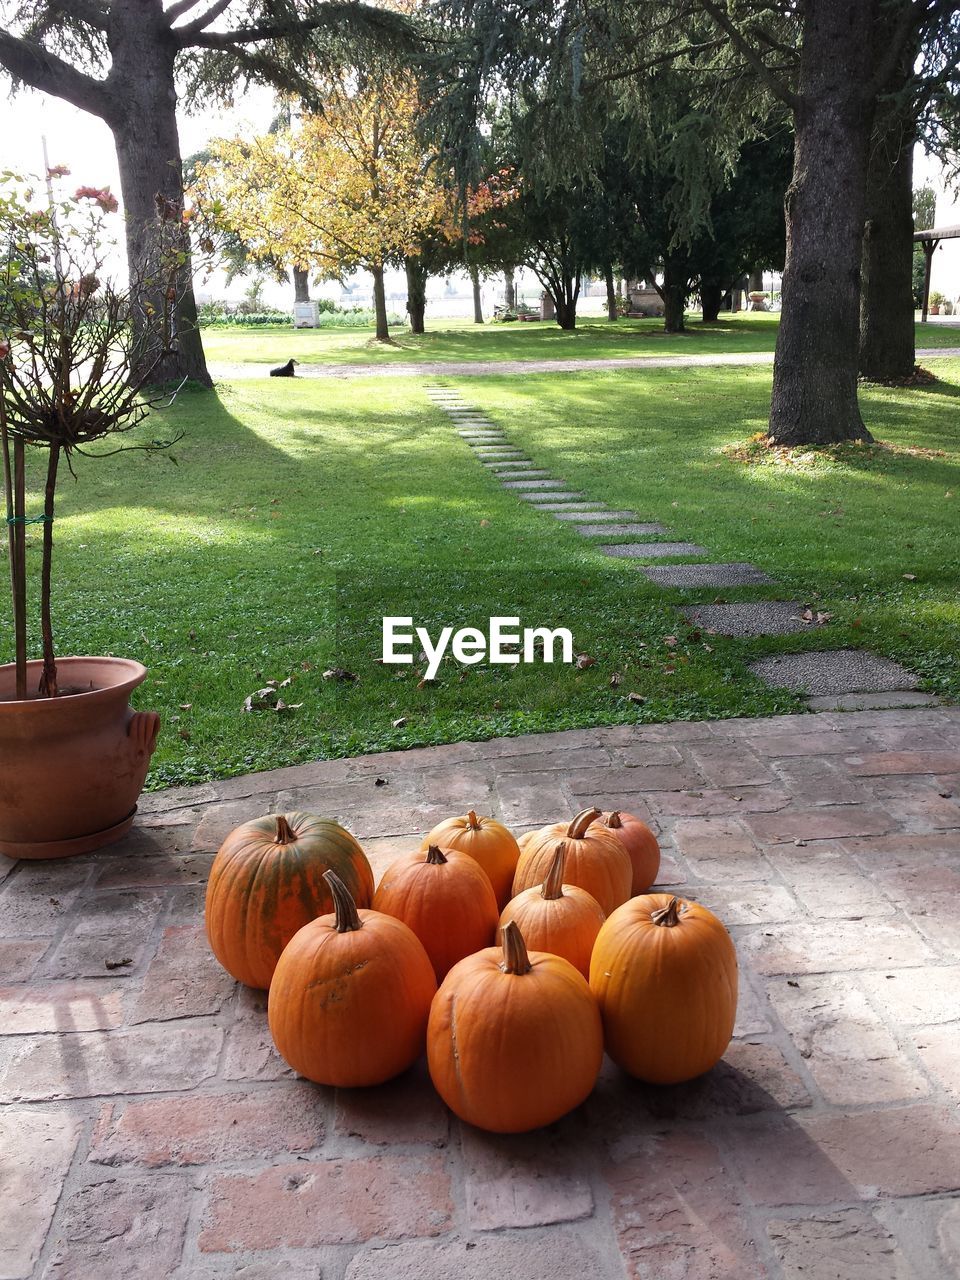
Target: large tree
{"points": [[346, 187], [828, 63], [126, 61]]}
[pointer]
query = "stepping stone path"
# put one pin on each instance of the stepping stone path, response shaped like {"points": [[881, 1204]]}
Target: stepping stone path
{"points": [[830, 680], [750, 618], [652, 550]]}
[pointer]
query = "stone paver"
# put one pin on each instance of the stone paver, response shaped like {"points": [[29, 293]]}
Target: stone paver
{"points": [[148, 1127], [733, 574], [750, 618], [596, 513], [832, 671], [532, 484], [652, 550], [561, 495], [629, 530]]}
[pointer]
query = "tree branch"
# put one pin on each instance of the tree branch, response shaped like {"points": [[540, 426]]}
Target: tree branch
{"points": [[245, 35], [650, 63], [204, 20], [28, 61], [88, 11], [909, 22], [179, 9], [777, 87]]}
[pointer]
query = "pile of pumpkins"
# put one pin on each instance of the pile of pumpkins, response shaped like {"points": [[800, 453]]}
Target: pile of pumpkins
{"points": [[516, 962]]}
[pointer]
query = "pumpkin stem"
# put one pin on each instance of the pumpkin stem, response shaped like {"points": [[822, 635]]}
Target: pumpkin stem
{"points": [[669, 915], [515, 958], [578, 827], [552, 887], [613, 819], [344, 906], [435, 856], [285, 833], [473, 820]]}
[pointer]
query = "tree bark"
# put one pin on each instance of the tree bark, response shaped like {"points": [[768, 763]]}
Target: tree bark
{"points": [[416, 292], [711, 299], [143, 119], [380, 304], [887, 334], [674, 291], [509, 289], [815, 366], [611, 292], [477, 299], [301, 284]]}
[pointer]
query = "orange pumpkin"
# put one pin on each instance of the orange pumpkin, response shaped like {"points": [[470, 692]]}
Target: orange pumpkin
{"points": [[267, 882], [487, 841], [665, 974], [514, 1040], [595, 860], [560, 918], [351, 995], [640, 843], [446, 898]]}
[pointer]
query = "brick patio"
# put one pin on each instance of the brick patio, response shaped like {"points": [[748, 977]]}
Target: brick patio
{"points": [[148, 1128]]}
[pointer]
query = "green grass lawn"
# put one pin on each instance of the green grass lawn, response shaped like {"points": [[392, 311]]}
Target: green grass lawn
{"points": [[461, 340], [299, 513]]}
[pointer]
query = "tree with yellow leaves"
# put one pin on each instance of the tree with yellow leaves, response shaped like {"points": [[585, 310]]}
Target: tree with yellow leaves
{"points": [[344, 188]]}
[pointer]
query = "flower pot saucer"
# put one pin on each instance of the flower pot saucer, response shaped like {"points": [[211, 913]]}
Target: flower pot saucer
{"points": [[68, 848]]}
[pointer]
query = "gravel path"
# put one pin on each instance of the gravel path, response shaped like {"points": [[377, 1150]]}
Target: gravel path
{"points": [[481, 368]]}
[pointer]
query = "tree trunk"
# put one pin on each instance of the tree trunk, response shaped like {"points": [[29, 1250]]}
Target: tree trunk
{"points": [[815, 366], [416, 292], [887, 334], [380, 304], [565, 291], [301, 284], [711, 300], [611, 292], [674, 290], [509, 289], [477, 300], [143, 118]]}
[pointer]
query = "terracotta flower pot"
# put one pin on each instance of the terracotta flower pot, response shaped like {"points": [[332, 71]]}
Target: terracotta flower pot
{"points": [[72, 767]]}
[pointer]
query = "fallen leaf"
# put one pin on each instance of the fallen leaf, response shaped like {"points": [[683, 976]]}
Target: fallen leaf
{"points": [[381, 782], [670, 641], [615, 680], [399, 722], [185, 706], [909, 577], [118, 964], [339, 673], [584, 660], [635, 697], [823, 618], [484, 524]]}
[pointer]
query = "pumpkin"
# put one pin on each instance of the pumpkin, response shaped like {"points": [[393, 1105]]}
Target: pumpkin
{"points": [[664, 972], [350, 997], [640, 843], [560, 918], [514, 1040], [267, 882], [446, 898], [595, 860], [487, 841]]}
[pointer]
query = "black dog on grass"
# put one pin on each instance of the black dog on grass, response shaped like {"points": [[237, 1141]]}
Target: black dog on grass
{"points": [[284, 370]]}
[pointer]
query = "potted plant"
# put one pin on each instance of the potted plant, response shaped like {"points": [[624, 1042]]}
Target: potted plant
{"points": [[935, 302], [77, 353]]}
